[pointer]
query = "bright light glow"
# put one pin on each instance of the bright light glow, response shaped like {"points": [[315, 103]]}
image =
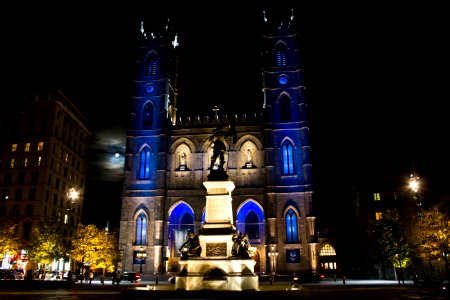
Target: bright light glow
{"points": [[117, 154], [73, 194], [414, 183]]}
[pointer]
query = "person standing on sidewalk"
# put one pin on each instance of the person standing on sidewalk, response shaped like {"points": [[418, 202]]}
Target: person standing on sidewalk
{"points": [[91, 276]]}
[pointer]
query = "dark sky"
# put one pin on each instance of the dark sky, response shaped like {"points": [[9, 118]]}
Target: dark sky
{"points": [[376, 79]]}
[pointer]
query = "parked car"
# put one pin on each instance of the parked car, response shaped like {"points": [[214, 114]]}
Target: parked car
{"points": [[6, 274], [308, 277], [131, 276], [53, 275]]}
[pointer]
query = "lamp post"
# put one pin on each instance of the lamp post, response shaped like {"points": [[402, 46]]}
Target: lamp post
{"points": [[414, 185], [72, 196], [273, 254], [141, 256]]}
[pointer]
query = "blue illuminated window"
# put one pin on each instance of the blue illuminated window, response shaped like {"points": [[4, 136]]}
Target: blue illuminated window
{"points": [[252, 225], [144, 164], [141, 229], [288, 158], [152, 64], [291, 227], [281, 55]]}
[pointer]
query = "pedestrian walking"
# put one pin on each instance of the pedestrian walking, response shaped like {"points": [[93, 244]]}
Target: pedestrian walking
{"points": [[91, 276], [113, 277], [343, 279]]}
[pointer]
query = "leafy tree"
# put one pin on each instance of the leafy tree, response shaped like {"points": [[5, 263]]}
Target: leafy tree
{"points": [[10, 243], [47, 243], [434, 236], [98, 248], [391, 245]]}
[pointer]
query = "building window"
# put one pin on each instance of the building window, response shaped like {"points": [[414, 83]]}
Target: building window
{"points": [[288, 158], [291, 227], [25, 162], [327, 250], [285, 108], [40, 146], [4, 195], [11, 163], [148, 115], [378, 215], [13, 147], [32, 194], [29, 211], [34, 177], [376, 197], [8, 178], [152, 64], [27, 147], [144, 164], [141, 229], [281, 55], [252, 225], [18, 195], [21, 178]]}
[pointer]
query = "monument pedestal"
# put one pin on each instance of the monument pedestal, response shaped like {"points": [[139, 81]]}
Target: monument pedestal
{"points": [[217, 268]]}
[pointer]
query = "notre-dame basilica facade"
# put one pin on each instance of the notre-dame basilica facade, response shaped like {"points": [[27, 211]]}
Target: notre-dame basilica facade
{"points": [[168, 159]]}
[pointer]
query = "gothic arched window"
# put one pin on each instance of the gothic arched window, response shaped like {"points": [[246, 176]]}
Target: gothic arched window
{"points": [[287, 158], [281, 55], [252, 225], [291, 226], [152, 64], [141, 229], [144, 164], [148, 115], [285, 108]]}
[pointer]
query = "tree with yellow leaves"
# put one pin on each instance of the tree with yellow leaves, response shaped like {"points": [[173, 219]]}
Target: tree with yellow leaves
{"points": [[10, 243], [94, 247], [47, 243], [434, 236]]}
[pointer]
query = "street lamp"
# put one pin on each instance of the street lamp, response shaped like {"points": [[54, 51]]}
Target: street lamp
{"points": [[73, 195], [141, 255], [273, 254], [414, 185]]}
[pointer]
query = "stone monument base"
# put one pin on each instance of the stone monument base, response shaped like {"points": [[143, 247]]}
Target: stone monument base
{"points": [[231, 274]]}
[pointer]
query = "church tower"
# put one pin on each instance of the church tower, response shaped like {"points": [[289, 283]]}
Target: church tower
{"points": [[151, 113], [289, 191]]}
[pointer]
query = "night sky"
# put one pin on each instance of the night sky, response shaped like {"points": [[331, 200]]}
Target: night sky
{"points": [[375, 77]]}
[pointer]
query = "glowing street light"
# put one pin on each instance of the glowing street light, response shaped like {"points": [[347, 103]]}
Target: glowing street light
{"points": [[414, 183], [414, 186], [141, 255], [73, 195], [273, 254]]}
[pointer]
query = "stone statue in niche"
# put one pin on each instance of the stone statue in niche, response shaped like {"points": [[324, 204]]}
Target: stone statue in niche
{"points": [[249, 160], [183, 163]]}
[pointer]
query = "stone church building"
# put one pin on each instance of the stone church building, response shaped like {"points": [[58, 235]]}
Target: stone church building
{"points": [[168, 159]]}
